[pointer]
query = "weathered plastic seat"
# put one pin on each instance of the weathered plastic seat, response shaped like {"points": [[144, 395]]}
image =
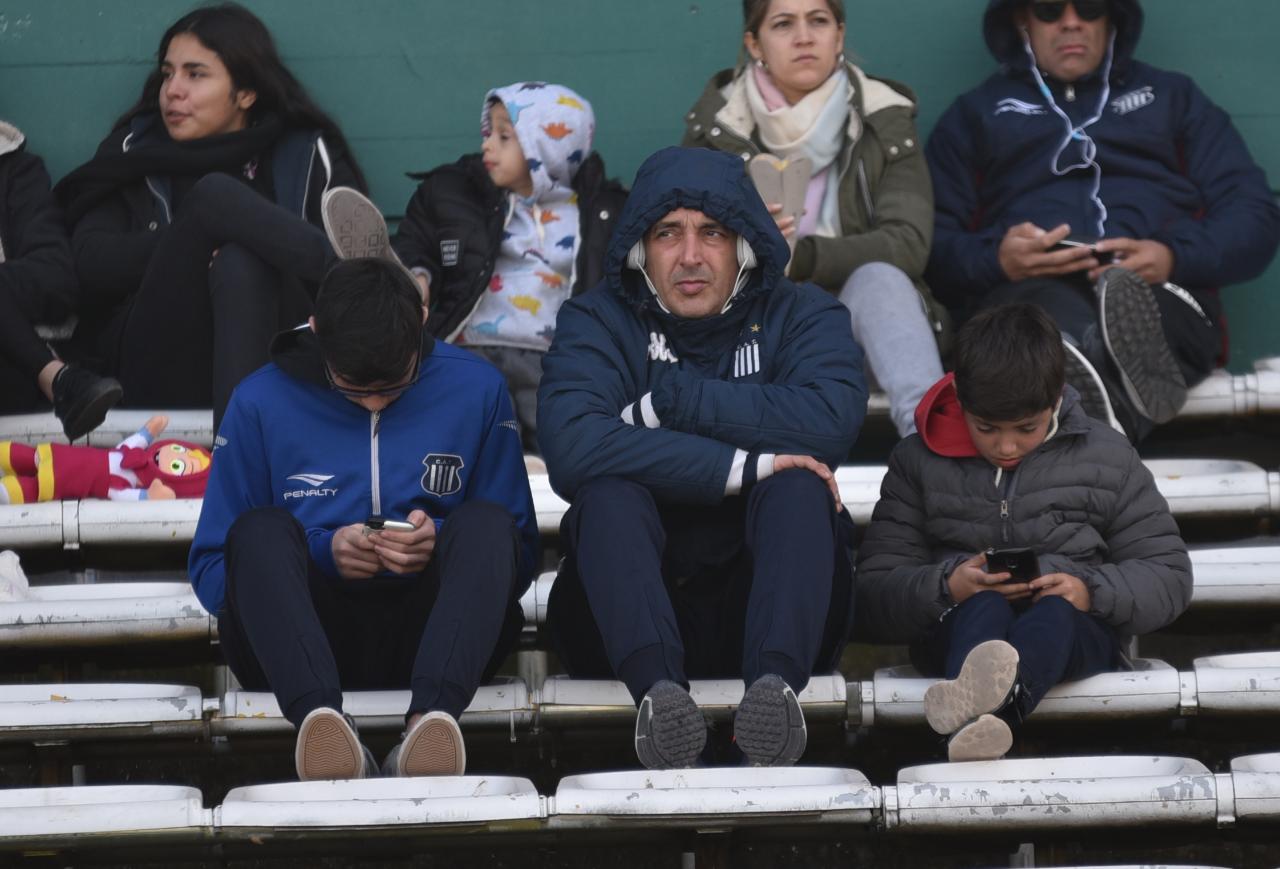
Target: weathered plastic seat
{"points": [[99, 710], [505, 704], [195, 426], [1216, 487], [726, 796], [1242, 684], [1246, 576], [602, 701], [1150, 690], [70, 524], [66, 816], [97, 613], [446, 801], [1056, 793], [1256, 778]]}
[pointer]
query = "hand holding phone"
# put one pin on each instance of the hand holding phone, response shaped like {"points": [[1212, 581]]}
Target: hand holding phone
{"points": [[1020, 563], [1104, 257], [379, 523], [403, 547]]}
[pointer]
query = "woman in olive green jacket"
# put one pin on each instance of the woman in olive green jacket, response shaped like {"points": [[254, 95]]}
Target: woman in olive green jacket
{"points": [[868, 214]]}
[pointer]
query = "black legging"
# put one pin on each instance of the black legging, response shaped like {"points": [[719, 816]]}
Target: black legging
{"points": [[22, 356], [199, 323]]}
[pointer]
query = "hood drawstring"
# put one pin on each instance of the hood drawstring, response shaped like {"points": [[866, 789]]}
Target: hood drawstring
{"points": [[1089, 147]]}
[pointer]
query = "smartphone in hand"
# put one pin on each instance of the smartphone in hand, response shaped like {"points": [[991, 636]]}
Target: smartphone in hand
{"points": [[1020, 563], [379, 523], [1104, 257]]}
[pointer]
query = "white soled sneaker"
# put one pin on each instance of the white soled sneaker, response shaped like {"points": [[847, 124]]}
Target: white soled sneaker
{"points": [[984, 683], [433, 746]]}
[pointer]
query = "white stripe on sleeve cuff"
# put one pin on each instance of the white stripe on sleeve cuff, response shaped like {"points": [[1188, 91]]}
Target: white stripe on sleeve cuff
{"points": [[646, 411], [734, 484], [764, 466]]}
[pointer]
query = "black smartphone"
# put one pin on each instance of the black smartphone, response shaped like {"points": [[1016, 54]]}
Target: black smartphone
{"points": [[1105, 257], [1020, 563], [378, 523]]}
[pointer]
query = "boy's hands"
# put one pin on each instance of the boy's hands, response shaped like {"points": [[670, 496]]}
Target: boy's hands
{"points": [[406, 551], [358, 555], [1063, 585], [971, 577]]}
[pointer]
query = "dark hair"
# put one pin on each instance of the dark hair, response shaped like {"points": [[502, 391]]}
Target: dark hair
{"points": [[368, 320], [244, 45], [753, 12], [1009, 363]]}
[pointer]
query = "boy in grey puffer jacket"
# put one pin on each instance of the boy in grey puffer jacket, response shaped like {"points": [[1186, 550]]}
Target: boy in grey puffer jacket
{"points": [[1004, 458]]}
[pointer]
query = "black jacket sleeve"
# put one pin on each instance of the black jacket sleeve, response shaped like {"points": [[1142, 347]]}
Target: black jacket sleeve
{"points": [[37, 272]]}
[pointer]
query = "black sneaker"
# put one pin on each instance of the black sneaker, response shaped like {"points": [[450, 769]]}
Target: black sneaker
{"points": [[1093, 392], [81, 400], [769, 724], [670, 729], [1134, 338]]}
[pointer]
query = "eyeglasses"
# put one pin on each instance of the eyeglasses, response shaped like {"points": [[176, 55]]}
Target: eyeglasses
{"points": [[1050, 11], [383, 392]]}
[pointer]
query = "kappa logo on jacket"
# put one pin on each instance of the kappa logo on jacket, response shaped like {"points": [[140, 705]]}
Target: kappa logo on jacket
{"points": [[315, 486], [658, 349], [444, 474], [1009, 104], [1133, 100]]}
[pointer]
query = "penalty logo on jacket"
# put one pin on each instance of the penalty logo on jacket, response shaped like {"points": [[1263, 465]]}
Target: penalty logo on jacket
{"points": [[444, 474]]}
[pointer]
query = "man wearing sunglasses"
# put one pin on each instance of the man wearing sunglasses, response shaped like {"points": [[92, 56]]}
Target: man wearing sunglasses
{"points": [[368, 525], [1075, 158]]}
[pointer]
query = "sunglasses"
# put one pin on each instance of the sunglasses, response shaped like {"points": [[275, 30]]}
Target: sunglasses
{"points": [[1050, 11], [382, 392]]}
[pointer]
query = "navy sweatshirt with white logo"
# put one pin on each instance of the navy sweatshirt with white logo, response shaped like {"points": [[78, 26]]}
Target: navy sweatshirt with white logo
{"points": [[1174, 168], [290, 441]]}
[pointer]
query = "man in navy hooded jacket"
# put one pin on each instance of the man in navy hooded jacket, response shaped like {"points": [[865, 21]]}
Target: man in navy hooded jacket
{"points": [[1073, 139], [692, 408]]}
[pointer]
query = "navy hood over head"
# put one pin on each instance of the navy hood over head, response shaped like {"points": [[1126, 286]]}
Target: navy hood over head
{"points": [[684, 405], [1006, 44]]}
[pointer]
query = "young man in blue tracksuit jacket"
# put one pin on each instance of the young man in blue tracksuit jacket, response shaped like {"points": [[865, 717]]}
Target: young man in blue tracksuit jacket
{"points": [[363, 414], [692, 407], [1073, 139]]}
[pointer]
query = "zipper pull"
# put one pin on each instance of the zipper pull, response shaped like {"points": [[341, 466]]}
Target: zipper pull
{"points": [[1071, 93], [1004, 509]]}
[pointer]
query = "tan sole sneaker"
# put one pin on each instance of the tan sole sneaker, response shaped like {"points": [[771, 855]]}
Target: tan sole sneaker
{"points": [[433, 746], [984, 683], [987, 738], [328, 748]]}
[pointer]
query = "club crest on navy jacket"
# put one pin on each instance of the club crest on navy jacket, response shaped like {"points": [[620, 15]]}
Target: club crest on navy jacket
{"points": [[687, 407], [290, 441], [1173, 167]]}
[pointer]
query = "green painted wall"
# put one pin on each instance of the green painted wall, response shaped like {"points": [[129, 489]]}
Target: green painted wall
{"points": [[405, 79]]}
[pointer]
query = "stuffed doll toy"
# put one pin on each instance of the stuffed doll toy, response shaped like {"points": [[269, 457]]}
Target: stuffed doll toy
{"points": [[141, 468]]}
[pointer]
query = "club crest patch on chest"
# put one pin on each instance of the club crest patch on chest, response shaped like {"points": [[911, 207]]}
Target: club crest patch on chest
{"points": [[443, 475], [450, 251]]}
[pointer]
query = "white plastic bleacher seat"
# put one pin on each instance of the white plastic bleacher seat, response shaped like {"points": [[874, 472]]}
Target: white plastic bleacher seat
{"points": [[534, 601], [98, 613], [63, 816], [1256, 778], [362, 803], [1216, 487], [1246, 576], [1150, 690], [504, 704], [1222, 394], [1241, 684], [720, 796], [195, 426], [1056, 793], [30, 712], [70, 524], [603, 700]]}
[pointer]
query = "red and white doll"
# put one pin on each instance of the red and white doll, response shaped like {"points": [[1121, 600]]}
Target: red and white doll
{"points": [[140, 468]]}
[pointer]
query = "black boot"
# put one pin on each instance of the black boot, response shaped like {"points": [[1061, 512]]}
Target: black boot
{"points": [[81, 400]]}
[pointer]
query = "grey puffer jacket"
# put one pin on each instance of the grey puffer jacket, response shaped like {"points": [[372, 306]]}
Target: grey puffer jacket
{"points": [[1082, 499]]}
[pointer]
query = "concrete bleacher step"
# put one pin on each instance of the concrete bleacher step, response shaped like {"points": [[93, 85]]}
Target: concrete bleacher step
{"points": [[1151, 690], [64, 816], [562, 700], [1245, 576], [1247, 683], [112, 710], [1221, 394], [1194, 488], [1058, 793], [504, 705], [446, 801], [98, 613], [1256, 780], [723, 796]]}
